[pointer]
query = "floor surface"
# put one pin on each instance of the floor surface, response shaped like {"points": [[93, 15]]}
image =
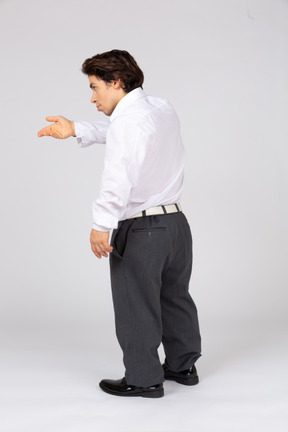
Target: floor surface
{"points": [[49, 382]]}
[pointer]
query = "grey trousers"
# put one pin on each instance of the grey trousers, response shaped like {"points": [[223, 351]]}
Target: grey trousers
{"points": [[150, 269]]}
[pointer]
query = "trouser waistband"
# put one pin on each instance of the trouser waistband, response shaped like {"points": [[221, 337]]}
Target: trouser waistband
{"points": [[158, 210]]}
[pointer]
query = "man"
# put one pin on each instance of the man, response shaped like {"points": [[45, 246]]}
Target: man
{"points": [[151, 244]]}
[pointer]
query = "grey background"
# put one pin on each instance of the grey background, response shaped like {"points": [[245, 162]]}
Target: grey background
{"points": [[223, 64]]}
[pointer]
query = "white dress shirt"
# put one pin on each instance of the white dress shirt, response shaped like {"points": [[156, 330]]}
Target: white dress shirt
{"points": [[144, 158]]}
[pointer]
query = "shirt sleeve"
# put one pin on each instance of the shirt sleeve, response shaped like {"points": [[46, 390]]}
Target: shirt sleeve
{"points": [[123, 158], [88, 133]]}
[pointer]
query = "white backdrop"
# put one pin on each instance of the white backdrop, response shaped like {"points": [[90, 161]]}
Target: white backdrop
{"points": [[223, 64]]}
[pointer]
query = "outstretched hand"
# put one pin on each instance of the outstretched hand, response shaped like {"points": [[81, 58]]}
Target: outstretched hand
{"points": [[62, 128]]}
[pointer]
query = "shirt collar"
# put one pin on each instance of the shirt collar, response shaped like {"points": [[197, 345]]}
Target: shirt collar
{"points": [[127, 100]]}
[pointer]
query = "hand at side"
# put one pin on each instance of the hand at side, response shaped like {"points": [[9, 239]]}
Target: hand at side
{"points": [[100, 243]]}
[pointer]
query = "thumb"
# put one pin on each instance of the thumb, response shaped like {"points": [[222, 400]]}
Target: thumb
{"points": [[53, 118]]}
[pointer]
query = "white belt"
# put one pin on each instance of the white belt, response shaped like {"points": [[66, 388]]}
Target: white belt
{"points": [[165, 209]]}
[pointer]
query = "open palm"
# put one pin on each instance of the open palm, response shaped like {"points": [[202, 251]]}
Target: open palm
{"points": [[61, 128]]}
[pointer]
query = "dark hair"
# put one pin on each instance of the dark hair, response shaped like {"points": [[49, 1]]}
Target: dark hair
{"points": [[115, 64]]}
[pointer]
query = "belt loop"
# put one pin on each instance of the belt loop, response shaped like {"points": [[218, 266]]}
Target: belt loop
{"points": [[144, 213], [164, 209], [177, 207]]}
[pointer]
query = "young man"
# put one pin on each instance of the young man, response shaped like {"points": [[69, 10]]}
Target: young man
{"points": [[151, 244]]}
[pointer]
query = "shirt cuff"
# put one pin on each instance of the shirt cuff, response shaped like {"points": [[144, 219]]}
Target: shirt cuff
{"points": [[100, 228], [78, 134]]}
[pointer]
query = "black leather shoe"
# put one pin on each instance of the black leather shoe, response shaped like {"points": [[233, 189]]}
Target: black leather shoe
{"points": [[121, 388], [186, 377]]}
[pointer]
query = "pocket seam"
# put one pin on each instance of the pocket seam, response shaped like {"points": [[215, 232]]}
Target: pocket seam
{"points": [[144, 230]]}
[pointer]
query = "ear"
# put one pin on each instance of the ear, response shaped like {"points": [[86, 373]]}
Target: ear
{"points": [[117, 84]]}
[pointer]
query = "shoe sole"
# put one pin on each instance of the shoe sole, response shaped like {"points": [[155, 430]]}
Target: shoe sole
{"points": [[146, 393], [185, 381]]}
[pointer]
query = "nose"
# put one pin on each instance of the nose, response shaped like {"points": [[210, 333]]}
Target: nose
{"points": [[93, 98]]}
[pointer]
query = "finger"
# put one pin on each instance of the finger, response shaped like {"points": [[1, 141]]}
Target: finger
{"points": [[105, 246], [108, 248], [95, 251], [105, 251], [97, 254], [53, 118], [45, 131], [101, 250]]}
